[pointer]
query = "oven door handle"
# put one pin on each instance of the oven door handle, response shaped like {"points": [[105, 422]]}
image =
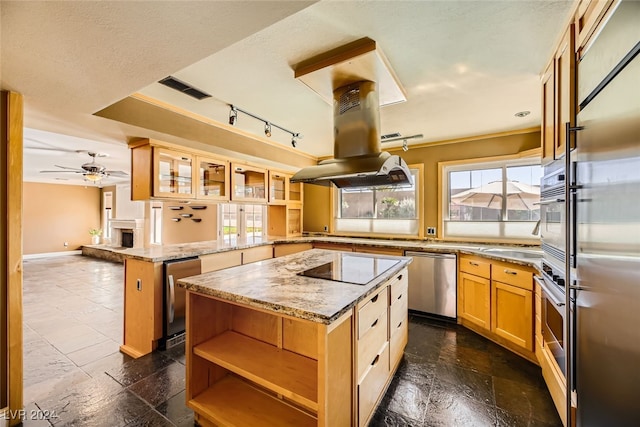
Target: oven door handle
{"points": [[548, 202], [548, 293]]}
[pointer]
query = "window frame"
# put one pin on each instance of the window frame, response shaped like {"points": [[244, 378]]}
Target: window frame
{"points": [[419, 192], [525, 158]]}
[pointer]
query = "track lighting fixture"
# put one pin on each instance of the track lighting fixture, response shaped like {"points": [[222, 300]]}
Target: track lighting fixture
{"points": [[404, 139], [233, 117]]}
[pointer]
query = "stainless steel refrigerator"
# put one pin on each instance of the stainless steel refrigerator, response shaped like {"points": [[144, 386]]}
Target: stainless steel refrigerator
{"points": [[606, 226]]}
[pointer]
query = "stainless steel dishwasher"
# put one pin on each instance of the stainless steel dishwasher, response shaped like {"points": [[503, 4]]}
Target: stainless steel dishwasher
{"points": [[433, 283], [175, 300]]}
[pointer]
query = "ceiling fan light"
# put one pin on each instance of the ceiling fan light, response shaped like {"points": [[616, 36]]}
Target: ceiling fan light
{"points": [[93, 177]]}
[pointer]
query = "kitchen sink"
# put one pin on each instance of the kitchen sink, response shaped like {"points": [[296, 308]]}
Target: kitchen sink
{"points": [[515, 253]]}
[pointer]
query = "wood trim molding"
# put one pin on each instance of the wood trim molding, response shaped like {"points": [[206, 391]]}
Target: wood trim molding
{"points": [[11, 259]]}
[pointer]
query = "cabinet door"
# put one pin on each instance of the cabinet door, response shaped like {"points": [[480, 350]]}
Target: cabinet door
{"points": [[249, 183], [565, 91], [512, 318], [173, 174], [278, 188], [212, 179], [295, 192], [548, 114], [474, 299]]}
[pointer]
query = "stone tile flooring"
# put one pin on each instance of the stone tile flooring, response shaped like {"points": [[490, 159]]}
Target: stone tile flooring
{"points": [[73, 369]]}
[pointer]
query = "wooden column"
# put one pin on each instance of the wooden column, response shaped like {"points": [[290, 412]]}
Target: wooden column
{"points": [[11, 125]]}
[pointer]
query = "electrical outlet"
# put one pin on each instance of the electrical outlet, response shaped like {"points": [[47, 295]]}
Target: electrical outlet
{"points": [[66, 244], [326, 228], [431, 231]]}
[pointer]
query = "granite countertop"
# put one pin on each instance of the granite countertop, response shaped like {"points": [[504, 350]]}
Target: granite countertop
{"points": [[514, 254], [274, 284]]}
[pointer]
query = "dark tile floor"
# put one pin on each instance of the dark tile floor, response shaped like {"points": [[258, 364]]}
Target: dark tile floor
{"points": [[74, 371]]}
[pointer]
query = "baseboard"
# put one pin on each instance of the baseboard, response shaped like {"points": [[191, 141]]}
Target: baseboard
{"points": [[51, 254]]}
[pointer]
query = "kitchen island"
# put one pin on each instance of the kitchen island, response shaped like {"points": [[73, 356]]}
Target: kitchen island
{"points": [[267, 345]]}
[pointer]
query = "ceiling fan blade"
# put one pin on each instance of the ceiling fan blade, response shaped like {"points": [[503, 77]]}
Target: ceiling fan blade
{"points": [[66, 171], [117, 173], [67, 167]]}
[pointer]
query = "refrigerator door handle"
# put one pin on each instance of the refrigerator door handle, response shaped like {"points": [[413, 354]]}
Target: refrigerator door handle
{"points": [[172, 298]]}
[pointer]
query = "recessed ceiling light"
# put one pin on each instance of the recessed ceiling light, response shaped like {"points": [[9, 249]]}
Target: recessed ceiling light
{"points": [[522, 114]]}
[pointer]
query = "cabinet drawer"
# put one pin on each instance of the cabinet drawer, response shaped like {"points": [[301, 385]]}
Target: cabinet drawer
{"points": [[370, 309], [371, 342], [370, 388], [257, 254], [398, 314], [476, 266], [513, 276], [399, 286], [397, 343]]}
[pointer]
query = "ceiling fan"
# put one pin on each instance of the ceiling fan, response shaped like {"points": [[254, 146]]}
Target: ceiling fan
{"points": [[91, 171]]}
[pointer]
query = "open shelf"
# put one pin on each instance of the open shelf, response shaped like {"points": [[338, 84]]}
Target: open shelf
{"points": [[232, 401], [289, 374]]}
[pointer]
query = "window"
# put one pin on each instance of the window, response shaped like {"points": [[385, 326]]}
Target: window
{"points": [[107, 214], [156, 223], [382, 210], [497, 199], [242, 221]]}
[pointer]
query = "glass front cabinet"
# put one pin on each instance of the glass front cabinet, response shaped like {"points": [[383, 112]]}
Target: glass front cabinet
{"points": [[212, 179], [278, 188], [249, 183], [173, 174]]}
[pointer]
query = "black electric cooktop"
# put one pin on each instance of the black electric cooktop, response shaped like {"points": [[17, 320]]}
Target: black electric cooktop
{"points": [[358, 270]]}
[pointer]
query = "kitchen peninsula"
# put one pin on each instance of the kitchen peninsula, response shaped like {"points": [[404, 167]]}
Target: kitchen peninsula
{"points": [[272, 343]]}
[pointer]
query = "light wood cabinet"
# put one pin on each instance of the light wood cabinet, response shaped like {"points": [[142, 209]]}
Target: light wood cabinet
{"points": [[239, 358], [474, 299], [278, 188], [290, 248], [589, 15], [284, 220], [160, 171], [381, 335], [559, 99], [143, 292], [248, 183], [295, 192], [495, 299], [212, 178]]}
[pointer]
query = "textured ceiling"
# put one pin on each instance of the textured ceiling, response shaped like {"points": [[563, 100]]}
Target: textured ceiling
{"points": [[467, 66]]}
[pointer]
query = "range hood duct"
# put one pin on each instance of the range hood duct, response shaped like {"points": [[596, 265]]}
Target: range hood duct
{"points": [[358, 160]]}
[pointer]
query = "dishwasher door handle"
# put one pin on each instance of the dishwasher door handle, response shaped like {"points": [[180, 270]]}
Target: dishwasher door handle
{"points": [[172, 298]]}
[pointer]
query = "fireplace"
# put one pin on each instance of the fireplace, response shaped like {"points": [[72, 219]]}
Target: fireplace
{"points": [[128, 233]]}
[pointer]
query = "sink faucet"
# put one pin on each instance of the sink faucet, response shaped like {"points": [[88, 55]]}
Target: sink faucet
{"points": [[536, 229]]}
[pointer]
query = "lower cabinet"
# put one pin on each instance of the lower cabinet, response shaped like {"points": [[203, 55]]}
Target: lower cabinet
{"points": [[474, 301], [496, 299], [248, 367], [512, 314]]}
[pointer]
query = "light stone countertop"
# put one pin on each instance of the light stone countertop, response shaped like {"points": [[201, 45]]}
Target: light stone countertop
{"points": [[274, 285], [185, 250]]}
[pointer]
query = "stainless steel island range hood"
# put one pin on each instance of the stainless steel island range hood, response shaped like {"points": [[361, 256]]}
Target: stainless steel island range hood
{"points": [[359, 79], [358, 160]]}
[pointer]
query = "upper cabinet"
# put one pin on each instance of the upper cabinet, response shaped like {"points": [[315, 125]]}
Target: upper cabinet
{"points": [[588, 16], [212, 180], [278, 188], [249, 183], [163, 172], [173, 175], [559, 99]]}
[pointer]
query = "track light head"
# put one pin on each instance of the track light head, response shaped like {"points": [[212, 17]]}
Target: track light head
{"points": [[233, 116], [405, 147], [293, 142], [267, 129]]}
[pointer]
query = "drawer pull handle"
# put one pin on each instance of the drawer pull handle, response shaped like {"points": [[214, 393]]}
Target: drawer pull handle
{"points": [[374, 299], [400, 277], [475, 264], [375, 361], [373, 325], [514, 273]]}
